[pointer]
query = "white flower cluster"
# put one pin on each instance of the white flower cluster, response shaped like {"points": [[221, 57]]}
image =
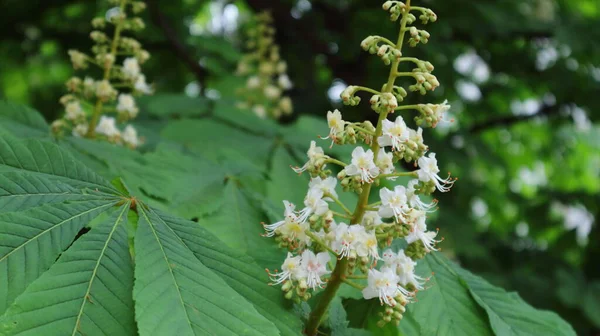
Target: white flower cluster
{"points": [[325, 225], [400, 207], [267, 79], [89, 100]]}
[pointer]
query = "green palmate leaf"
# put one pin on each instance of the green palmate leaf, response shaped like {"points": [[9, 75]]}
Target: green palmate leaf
{"points": [[365, 315], [446, 307], [198, 136], [186, 185], [507, 312], [244, 119], [31, 240], [459, 303], [238, 225], [47, 158], [173, 106], [87, 292], [176, 294], [591, 303], [22, 121], [284, 183], [197, 184], [338, 321], [22, 191], [239, 271]]}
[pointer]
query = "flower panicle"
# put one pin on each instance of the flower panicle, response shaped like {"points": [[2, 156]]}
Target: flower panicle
{"points": [[97, 107], [265, 72], [327, 226]]}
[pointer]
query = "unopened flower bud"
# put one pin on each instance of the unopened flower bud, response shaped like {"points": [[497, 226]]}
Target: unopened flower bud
{"points": [[78, 59]]}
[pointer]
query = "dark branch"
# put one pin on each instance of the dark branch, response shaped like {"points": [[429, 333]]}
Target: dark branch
{"points": [[179, 49], [546, 110]]}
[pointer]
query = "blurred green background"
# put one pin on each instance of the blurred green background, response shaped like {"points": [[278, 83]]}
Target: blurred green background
{"points": [[522, 76]]}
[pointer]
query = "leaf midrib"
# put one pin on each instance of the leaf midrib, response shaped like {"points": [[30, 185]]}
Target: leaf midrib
{"points": [[89, 289], [170, 269]]}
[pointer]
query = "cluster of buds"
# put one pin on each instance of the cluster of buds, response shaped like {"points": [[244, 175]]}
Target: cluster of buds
{"points": [[418, 36], [387, 51], [265, 72], [431, 114], [119, 59], [425, 81], [398, 8], [361, 237]]}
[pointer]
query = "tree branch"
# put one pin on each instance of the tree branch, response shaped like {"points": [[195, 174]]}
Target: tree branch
{"points": [[546, 110], [179, 49]]}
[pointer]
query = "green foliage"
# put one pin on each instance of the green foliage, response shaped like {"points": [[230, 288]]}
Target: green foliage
{"points": [[140, 269], [79, 256]]}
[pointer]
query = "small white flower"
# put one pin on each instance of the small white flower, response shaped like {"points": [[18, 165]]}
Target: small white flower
{"points": [[314, 204], [384, 285], [260, 111], [414, 216], [108, 127], [141, 85], [326, 185], [253, 82], [362, 164], [295, 231], [73, 111], [415, 201], [335, 123], [346, 238], [394, 203], [78, 59], [286, 106], [366, 244], [289, 215], [429, 172], [130, 136], [284, 82], [290, 270], [126, 104], [104, 89], [371, 218], [315, 153], [281, 67], [113, 13], [131, 68], [315, 266], [404, 268], [385, 163], [80, 130], [419, 232], [88, 83], [272, 92], [435, 111], [394, 134]]}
